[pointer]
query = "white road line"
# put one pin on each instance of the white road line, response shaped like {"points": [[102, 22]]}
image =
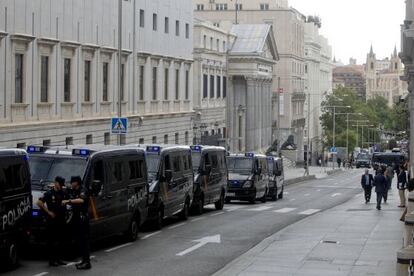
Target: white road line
{"points": [[307, 194], [177, 225], [335, 194], [261, 208], [309, 212], [197, 219], [150, 235], [118, 247], [284, 210], [41, 274], [216, 214]]}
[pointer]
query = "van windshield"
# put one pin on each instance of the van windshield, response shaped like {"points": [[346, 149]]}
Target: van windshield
{"points": [[196, 159], [44, 169], [239, 164], [153, 164]]}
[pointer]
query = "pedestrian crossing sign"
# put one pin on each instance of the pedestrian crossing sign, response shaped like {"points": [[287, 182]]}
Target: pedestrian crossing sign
{"points": [[119, 125]]}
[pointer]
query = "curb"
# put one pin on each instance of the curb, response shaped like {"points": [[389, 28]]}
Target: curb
{"points": [[299, 179]]}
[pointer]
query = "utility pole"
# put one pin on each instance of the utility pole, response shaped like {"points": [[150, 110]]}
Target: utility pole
{"points": [[308, 148], [119, 64], [236, 9], [279, 142]]}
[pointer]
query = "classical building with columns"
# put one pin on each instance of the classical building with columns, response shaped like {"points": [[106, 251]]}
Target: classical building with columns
{"points": [[249, 100], [59, 76]]}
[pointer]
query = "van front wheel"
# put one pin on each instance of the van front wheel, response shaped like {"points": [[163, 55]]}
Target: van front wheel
{"points": [[11, 260], [220, 203]]}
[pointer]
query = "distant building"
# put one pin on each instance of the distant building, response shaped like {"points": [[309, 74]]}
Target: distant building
{"points": [[383, 77], [352, 77]]}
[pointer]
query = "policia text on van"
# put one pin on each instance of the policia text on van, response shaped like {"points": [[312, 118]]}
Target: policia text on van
{"points": [[248, 177], [116, 180], [15, 204]]}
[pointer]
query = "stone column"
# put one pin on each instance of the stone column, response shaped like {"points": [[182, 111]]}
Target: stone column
{"points": [[250, 117]]}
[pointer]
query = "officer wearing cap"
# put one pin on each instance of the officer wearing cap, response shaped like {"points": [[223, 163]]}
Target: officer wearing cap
{"points": [[79, 201], [51, 205]]}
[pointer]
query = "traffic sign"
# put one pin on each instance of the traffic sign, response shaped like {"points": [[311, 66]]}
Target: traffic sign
{"points": [[334, 150], [119, 125]]}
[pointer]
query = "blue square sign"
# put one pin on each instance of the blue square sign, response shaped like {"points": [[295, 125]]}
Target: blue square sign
{"points": [[119, 125]]}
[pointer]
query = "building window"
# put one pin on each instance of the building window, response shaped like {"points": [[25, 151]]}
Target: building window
{"points": [[186, 138], [154, 83], [141, 83], [18, 97], [89, 139], [122, 82], [200, 7], [187, 30], [221, 7], [306, 69], [166, 72], [177, 84], [224, 46], [218, 80], [154, 22], [105, 81], [166, 25], [218, 45], [44, 79], [141, 141], [166, 139], [211, 43], [177, 138], [224, 87], [264, 7], [205, 86], [187, 84], [87, 77], [396, 66], [141, 18], [211, 87], [372, 66], [177, 27], [239, 7], [66, 80], [205, 42], [21, 145], [154, 139], [46, 143], [69, 141]]}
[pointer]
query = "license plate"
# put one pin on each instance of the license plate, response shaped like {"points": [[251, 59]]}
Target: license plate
{"points": [[231, 194]]}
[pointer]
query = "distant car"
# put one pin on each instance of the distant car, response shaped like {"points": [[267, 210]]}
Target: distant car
{"points": [[363, 161]]}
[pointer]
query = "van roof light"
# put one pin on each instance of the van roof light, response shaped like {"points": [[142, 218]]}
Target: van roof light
{"points": [[196, 148], [156, 149], [81, 152], [36, 149], [249, 154]]}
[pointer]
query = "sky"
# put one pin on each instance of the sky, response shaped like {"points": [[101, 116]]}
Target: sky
{"points": [[352, 25]]}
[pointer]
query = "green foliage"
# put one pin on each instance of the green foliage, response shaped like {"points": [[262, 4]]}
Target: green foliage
{"points": [[374, 112]]}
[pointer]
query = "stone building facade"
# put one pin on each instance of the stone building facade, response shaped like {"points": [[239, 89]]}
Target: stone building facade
{"points": [[58, 71], [350, 76], [289, 72]]}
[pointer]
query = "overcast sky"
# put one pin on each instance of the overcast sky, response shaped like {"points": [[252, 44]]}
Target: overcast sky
{"points": [[351, 25]]}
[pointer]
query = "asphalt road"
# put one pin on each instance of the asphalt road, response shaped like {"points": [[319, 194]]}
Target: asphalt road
{"points": [[204, 244]]}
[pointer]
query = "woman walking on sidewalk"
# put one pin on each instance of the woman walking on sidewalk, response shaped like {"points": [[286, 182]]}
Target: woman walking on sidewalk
{"points": [[401, 185]]}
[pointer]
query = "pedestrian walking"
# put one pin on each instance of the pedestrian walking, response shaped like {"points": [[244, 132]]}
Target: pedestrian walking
{"points": [[51, 204], [367, 181], [79, 201], [339, 161], [389, 175], [381, 186], [402, 185]]}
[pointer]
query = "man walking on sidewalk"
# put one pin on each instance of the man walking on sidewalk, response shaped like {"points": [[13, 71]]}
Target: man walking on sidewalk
{"points": [[367, 181], [401, 185], [381, 186]]}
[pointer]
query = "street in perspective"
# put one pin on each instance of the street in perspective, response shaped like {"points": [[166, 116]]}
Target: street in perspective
{"points": [[206, 137]]}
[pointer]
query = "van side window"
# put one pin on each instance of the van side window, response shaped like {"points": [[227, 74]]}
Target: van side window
{"points": [[189, 161], [15, 174], [214, 161], [167, 164], [135, 169], [176, 164], [2, 180], [98, 171], [116, 169]]}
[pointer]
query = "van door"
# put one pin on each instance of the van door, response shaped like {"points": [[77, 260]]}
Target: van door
{"points": [[215, 176], [177, 183]]}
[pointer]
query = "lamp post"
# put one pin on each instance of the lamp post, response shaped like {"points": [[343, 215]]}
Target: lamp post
{"points": [[119, 64]]}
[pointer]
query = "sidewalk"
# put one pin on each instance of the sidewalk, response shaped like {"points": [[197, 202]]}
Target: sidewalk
{"points": [[350, 239], [297, 174]]}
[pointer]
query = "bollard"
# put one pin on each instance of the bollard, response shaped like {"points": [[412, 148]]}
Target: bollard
{"points": [[408, 227], [405, 261], [410, 202]]}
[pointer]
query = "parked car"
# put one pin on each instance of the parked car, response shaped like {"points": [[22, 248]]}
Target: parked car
{"points": [[248, 177], [276, 178], [115, 177], [171, 177], [15, 204], [210, 177]]}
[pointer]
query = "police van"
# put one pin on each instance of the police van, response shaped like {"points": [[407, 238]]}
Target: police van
{"points": [[15, 204], [210, 176], [170, 174], [276, 177], [115, 178], [248, 177]]}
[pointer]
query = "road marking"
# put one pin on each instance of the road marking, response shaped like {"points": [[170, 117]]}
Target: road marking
{"points": [[150, 235], [197, 219], [233, 208], [118, 247], [261, 208], [284, 210], [216, 214], [335, 194], [73, 263], [41, 274], [292, 199], [177, 225], [200, 243], [309, 212], [307, 194], [318, 190]]}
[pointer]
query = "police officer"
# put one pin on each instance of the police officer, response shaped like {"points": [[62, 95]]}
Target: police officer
{"points": [[51, 204], [79, 203]]}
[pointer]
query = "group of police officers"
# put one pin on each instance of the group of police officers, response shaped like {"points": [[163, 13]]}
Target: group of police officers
{"points": [[55, 203]]}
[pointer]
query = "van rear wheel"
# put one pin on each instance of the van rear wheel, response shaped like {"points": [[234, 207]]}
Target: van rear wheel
{"points": [[184, 212], [12, 255], [220, 203]]}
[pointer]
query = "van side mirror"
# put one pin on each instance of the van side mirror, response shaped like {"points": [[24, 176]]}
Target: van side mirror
{"points": [[96, 187]]}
